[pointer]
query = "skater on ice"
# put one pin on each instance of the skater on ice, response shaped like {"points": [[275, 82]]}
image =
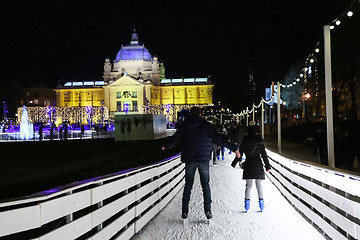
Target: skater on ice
{"points": [[253, 147], [196, 136]]}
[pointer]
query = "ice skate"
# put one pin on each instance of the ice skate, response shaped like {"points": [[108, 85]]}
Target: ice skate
{"points": [[208, 217], [261, 204], [247, 205], [184, 217]]}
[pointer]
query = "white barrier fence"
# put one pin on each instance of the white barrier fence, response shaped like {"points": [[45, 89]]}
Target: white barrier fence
{"points": [[116, 206], [73, 134], [327, 198]]}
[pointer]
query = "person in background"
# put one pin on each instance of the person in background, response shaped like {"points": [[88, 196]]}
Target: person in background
{"points": [[230, 130], [82, 131], [214, 149], [214, 153], [240, 132], [65, 131], [52, 130], [196, 136], [253, 147], [41, 132], [61, 128], [321, 146], [221, 148]]}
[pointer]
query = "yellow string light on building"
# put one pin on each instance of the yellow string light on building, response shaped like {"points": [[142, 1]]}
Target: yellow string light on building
{"points": [[72, 115]]}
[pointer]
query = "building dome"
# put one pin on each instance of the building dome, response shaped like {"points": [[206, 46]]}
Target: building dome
{"points": [[134, 51]]}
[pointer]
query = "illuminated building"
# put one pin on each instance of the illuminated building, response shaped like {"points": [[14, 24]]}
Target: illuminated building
{"points": [[135, 83], [135, 60], [80, 94]]}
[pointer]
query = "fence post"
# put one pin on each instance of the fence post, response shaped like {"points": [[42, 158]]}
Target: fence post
{"points": [[70, 217], [126, 208], [99, 205]]}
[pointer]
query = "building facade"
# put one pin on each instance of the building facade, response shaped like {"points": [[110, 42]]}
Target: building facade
{"points": [[38, 96], [80, 94], [136, 83]]}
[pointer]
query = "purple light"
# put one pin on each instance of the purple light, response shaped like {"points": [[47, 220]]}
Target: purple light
{"points": [[126, 107], [167, 106], [133, 52], [88, 109], [51, 191]]}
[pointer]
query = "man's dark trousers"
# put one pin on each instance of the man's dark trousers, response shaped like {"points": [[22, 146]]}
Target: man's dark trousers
{"points": [[190, 169]]}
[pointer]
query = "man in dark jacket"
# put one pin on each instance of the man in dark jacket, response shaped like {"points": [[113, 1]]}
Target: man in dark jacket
{"points": [[196, 136]]}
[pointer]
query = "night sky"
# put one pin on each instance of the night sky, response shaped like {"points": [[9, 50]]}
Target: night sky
{"points": [[46, 41]]}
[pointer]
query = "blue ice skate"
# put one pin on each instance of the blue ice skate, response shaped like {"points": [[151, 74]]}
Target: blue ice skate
{"points": [[247, 204], [261, 204]]}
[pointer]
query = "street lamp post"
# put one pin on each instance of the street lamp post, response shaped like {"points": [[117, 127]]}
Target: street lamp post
{"points": [[306, 98], [253, 112], [247, 116], [279, 116], [328, 97]]}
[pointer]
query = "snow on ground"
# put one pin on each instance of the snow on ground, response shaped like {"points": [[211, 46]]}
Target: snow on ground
{"points": [[278, 221]]}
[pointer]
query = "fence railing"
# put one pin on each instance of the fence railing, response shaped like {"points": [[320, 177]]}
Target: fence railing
{"points": [[74, 134], [120, 204], [329, 199], [114, 206]]}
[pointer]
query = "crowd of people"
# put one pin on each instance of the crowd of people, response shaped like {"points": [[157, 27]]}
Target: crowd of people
{"points": [[234, 132], [61, 131]]}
